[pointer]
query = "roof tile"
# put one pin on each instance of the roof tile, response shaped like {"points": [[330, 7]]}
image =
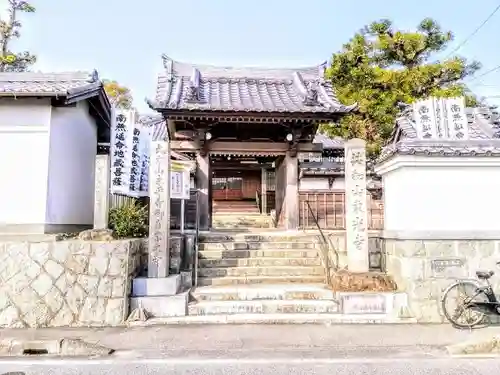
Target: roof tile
{"points": [[31, 83]]}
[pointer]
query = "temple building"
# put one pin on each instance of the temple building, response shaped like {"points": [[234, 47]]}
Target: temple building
{"points": [[246, 128]]}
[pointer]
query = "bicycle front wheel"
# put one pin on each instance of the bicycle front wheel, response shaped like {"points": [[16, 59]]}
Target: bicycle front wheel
{"points": [[455, 304]]}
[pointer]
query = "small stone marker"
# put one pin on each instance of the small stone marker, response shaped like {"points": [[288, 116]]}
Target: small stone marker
{"points": [[101, 195], [159, 210], [448, 268], [356, 214], [358, 303], [176, 245]]}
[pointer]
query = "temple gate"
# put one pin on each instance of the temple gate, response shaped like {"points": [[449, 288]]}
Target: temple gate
{"points": [[241, 125]]}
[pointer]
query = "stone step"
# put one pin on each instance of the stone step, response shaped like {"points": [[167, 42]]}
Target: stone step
{"points": [[263, 291], [263, 307], [222, 213], [249, 216], [258, 262], [244, 215], [241, 220], [246, 280], [242, 209], [255, 245], [235, 202], [230, 207], [323, 319], [255, 237], [261, 271], [232, 254], [239, 225], [162, 306]]}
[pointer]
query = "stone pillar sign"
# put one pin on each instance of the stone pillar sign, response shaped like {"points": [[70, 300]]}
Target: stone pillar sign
{"points": [[159, 209], [101, 194], [356, 214]]}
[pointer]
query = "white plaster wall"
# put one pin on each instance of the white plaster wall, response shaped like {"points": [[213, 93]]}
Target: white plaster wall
{"points": [[73, 144], [321, 183], [452, 194], [24, 149]]}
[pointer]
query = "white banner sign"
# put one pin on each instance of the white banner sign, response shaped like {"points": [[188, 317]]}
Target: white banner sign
{"points": [[119, 152], [458, 125], [129, 155], [135, 161], [425, 118], [441, 119], [180, 179], [145, 139]]}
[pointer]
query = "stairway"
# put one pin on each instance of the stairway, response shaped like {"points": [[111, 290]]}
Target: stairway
{"points": [[238, 214], [236, 206], [260, 274]]}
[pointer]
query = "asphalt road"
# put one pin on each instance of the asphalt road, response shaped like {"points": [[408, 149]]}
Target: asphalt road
{"points": [[288, 366], [242, 350]]}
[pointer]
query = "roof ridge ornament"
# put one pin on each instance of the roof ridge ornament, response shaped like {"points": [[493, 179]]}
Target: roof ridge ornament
{"points": [[311, 98], [168, 63], [405, 109], [193, 93], [309, 91], [322, 72], [93, 76]]}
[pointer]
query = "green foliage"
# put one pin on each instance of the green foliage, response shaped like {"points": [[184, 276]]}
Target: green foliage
{"points": [[129, 220], [10, 29], [381, 67], [119, 95]]}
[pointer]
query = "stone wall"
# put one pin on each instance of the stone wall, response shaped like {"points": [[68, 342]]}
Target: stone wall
{"points": [[338, 241], [66, 283], [424, 268]]}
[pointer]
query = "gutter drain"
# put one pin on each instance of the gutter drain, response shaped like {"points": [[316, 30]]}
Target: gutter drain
{"points": [[35, 351]]}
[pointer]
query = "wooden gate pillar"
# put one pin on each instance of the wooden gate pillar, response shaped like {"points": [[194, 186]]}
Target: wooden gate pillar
{"points": [[291, 191], [287, 192], [263, 190], [203, 185]]}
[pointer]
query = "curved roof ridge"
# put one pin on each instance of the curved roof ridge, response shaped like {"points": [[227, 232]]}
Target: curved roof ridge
{"points": [[180, 68], [45, 76]]}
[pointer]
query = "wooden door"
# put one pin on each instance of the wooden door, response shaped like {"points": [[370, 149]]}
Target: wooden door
{"points": [[227, 188]]}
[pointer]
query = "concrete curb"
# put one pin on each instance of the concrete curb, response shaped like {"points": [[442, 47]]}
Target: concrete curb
{"points": [[299, 318], [476, 347], [61, 347]]}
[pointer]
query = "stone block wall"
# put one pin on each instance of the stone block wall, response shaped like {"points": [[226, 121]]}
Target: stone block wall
{"points": [[425, 268], [338, 241], [67, 283]]}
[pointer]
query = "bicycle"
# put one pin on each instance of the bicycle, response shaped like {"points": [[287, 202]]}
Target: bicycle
{"points": [[481, 301]]}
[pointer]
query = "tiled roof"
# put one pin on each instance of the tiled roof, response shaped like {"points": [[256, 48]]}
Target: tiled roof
{"points": [[47, 84], [209, 88], [157, 124], [328, 142], [483, 136]]}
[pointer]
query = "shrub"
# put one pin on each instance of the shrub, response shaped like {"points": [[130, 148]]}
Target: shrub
{"points": [[129, 220]]}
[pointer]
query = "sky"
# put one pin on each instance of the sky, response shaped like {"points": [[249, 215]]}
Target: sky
{"points": [[124, 39]]}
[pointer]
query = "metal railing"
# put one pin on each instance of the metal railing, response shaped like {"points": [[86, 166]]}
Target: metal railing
{"points": [[257, 200], [325, 245]]}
